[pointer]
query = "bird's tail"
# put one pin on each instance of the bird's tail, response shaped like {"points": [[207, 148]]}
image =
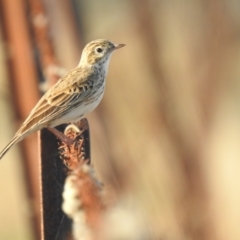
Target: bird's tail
{"points": [[10, 144]]}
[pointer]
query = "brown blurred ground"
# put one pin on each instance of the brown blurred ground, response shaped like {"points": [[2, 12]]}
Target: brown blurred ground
{"points": [[165, 139]]}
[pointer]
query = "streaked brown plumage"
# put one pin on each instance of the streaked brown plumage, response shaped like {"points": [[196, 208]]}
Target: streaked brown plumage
{"points": [[74, 95]]}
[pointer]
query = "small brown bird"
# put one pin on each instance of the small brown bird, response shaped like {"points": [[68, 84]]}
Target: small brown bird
{"points": [[74, 95]]}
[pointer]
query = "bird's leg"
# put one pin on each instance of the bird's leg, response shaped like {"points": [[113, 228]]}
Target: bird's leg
{"points": [[61, 136]]}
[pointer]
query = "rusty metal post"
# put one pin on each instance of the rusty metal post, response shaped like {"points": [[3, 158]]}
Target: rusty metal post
{"points": [[23, 79], [55, 224]]}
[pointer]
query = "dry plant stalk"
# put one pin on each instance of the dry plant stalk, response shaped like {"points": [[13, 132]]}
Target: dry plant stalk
{"points": [[82, 199], [40, 26], [73, 155]]}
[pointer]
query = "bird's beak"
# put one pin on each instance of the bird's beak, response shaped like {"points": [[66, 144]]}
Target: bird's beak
{"points": [[117, 46]]}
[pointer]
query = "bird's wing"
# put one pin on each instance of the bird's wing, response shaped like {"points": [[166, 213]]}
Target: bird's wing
{"points": [[61, 98]]}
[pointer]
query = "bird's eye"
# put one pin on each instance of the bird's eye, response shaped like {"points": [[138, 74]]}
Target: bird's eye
{"points": [[99, 50]]}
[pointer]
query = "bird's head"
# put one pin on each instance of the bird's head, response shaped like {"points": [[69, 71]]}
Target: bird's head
{"points": [[98, 52]]}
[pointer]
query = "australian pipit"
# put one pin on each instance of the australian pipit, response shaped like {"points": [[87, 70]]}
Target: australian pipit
{"points": [[74, 95]]}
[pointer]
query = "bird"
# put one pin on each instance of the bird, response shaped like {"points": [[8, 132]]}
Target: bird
{"points": [[73, 95]]}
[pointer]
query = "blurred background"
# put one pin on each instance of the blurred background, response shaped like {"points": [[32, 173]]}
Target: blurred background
{"points": [[165, 138]]}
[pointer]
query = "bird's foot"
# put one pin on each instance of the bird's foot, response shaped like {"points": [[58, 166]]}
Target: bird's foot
{"points": [[61, 136]]}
